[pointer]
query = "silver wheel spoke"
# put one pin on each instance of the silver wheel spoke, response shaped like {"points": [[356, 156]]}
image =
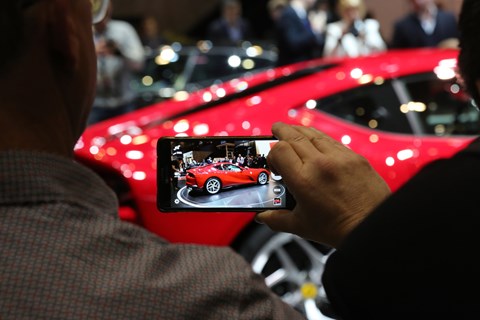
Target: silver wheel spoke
{"points": [[317, 258], [288, 265], [276, 277], [287, 278], [312, 312]]}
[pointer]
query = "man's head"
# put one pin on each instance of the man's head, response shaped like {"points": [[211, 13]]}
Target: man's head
{"points": [[351, 10], [275, 8], [422, 5], [309, 4], [469, 61], [48, 73], [231, 11]]}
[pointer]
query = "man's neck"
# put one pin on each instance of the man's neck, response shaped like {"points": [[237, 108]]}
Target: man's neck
{"points": [[428, 11]]}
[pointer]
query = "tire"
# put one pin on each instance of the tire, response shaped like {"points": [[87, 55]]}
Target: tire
{"points": [[291, 265], [213, 186], [262, 178]]}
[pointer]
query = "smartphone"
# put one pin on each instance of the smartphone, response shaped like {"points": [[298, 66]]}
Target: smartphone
{"points": [[223, 174]]}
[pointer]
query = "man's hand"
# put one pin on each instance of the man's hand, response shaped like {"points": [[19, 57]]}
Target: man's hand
{"points": [[335, 188], [105, 47]]}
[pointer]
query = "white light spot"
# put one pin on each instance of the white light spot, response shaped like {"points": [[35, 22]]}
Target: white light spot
{"points": [[94, 150], [221, 93], [390, 161], [207, 97], [126, 139], [201, 129], [181, 126], [234, 61], [356, 73], [255, 100], [311, 104], [139, 175], [134, 155], [346, 140]]}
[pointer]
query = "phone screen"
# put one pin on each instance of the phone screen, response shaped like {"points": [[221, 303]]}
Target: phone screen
{"points": [[218, 174]]}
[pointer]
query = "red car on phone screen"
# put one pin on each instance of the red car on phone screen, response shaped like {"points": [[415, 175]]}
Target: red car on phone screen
{"points": [[212, 178], [399, 109]]}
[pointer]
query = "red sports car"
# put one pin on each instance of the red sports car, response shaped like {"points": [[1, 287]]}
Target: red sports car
{"points": [[214, 177], [399, 109]]}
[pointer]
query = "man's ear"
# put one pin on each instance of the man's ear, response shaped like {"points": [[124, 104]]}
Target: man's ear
{"points": [[63, 36]]}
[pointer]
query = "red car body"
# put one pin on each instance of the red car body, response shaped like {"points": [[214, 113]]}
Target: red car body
{"points": [[227, 174], [123, 149]]}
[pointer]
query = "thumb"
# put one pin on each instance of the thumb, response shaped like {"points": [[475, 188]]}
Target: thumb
{"points": [[278, 220]]}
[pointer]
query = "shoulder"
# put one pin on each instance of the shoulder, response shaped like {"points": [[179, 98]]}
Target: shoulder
{"points": [[217, 24], [446, 15], [288, 12], [120, 26], [407, 20]]}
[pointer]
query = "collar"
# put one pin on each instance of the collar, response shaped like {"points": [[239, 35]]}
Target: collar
{"points": [[299, 9]]}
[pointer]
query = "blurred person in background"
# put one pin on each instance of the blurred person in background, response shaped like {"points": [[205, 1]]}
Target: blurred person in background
{"points": [[320, 16], [150, 33], [275, 8], [120, 55], [231, 28], [296, 38], [353, 35], [427, 25], [65, 253]]}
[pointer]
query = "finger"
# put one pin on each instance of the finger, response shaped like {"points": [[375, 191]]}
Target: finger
{"points": [[279, 220], [321, 141], [284, 160], [292, 135]]}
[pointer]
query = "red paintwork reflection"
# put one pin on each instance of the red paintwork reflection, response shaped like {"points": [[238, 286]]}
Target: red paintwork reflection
{"points": [[127, 144]]}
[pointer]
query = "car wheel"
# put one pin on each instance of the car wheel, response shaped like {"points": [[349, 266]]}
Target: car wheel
{"points": [[292, 267], [262, 178], [213, 186]]}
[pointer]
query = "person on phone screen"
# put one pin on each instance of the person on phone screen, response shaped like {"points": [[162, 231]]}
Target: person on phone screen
{"points": [[406, 255], [175, 173], [65, 254]]}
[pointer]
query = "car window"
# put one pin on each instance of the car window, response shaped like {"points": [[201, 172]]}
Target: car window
{"points": [[175, 68], [234, 168], [222, 66], [435, 106], [373, 106], [441, 105], [164, 71]]}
